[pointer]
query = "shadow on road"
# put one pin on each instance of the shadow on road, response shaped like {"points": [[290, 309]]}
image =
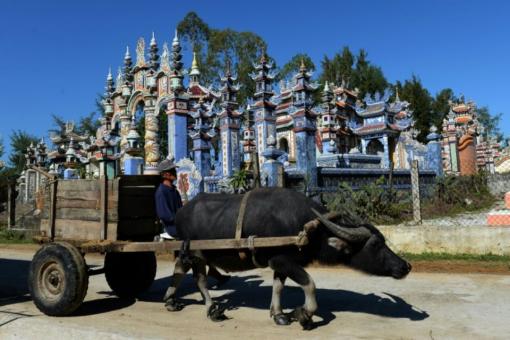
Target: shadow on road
{"points": [[105, 305], [247, 291], [13, 281]]}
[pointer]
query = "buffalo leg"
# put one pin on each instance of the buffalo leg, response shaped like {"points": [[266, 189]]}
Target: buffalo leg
{"points": [[276, 311], [180, 271], [214, 311], [219, 277], [288, 268]]}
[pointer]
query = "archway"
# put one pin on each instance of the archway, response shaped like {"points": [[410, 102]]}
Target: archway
{"points": [[374, 146], [283, 145]]}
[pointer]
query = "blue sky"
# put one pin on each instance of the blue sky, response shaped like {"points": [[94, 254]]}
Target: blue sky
{"points": [[55, 54]]}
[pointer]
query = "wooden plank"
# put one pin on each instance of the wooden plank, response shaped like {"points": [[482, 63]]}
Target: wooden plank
{"points": [[170, 246], [78, 214], [78, 203], [53, 207], [83, 185], [86, 204], [78, 195], [78, 230], [104, 207]]}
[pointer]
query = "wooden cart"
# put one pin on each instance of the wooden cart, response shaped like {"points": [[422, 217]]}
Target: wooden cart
{"points": [[117, 218]]}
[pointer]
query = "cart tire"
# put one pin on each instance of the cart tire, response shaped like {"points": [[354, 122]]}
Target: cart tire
{"points": [[58, 279], [130, 274]]}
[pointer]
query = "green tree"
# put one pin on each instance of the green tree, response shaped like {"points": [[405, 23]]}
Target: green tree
{"points": [[489, 122], [88, 124], [58, 125], [216, 47], [20, 141], [194, 31], [293, 65], [420, 102], [441, 106], [357, 71], [367, 78], [339, 68]]}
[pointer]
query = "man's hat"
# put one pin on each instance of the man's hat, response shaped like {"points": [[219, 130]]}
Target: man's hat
{"points": [[167, 165]]}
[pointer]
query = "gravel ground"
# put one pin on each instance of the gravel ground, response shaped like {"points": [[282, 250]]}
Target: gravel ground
{"points": [[351, 305]]}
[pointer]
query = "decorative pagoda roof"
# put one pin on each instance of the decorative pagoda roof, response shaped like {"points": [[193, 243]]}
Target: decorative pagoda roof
{"points": [[377, 128], [462, 108], [197, 91], [67, 134], [264, 103], [394, 117], [284, 121]]}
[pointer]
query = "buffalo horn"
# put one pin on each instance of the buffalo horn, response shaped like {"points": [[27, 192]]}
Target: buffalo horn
{"points": [[357, 234]]}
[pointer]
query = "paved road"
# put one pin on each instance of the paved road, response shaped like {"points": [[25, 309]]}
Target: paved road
{"points": [[351, 305]]}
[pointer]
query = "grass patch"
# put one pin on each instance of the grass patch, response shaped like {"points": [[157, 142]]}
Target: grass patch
{"points": [[455, 257], [12, 236]]}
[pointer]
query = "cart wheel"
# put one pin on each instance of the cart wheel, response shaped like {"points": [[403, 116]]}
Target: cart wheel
{"points": [[130, 274], [58, 279]]}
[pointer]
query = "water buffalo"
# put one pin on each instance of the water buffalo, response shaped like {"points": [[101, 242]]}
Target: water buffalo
{"points": [[279, 212]]}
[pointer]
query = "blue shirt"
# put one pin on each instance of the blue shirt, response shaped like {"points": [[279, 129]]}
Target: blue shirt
{"points": [[168, 201]]}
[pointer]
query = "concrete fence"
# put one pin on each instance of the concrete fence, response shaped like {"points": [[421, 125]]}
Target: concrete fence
{"points": [[477, 240]]}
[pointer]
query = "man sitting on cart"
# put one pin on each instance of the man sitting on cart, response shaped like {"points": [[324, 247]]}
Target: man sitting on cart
{"points": [[168, 201]]}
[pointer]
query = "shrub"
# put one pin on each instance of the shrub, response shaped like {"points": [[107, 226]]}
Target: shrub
{"points": [[373, 202], [11, 236], [456, 194]]}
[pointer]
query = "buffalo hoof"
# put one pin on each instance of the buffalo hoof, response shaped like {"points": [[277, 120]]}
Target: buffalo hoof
{"points": [[304, 318], [172, 305], [216, 313], [281, 320]]}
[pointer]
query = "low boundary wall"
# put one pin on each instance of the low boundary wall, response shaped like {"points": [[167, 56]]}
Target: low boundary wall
{"points": [[477, 240]]}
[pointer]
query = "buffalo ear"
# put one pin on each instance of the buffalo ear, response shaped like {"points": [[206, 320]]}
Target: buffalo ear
{"points": [[339, 244]]}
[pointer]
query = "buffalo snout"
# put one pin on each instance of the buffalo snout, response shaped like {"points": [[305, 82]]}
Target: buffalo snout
{"points": [[402, 271]]}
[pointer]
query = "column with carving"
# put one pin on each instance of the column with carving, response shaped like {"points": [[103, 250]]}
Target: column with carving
{"points": [[152, 155]]}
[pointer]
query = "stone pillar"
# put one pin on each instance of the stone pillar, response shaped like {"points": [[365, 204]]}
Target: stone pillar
{"points": [[453, 152], [415, 188], [152, 155], [125, 123], [434, 152], [386, 156], [272, 168], [202, 158], [364, 143], [177, 130], [231, 155], [31, 179], [306, 161], [264, 128]]}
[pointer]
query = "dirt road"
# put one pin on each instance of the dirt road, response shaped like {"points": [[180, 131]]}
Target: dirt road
{"points": [[351, 305]]}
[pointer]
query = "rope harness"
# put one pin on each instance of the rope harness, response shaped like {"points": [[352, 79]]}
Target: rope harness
{"points": [[239, 231]]}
